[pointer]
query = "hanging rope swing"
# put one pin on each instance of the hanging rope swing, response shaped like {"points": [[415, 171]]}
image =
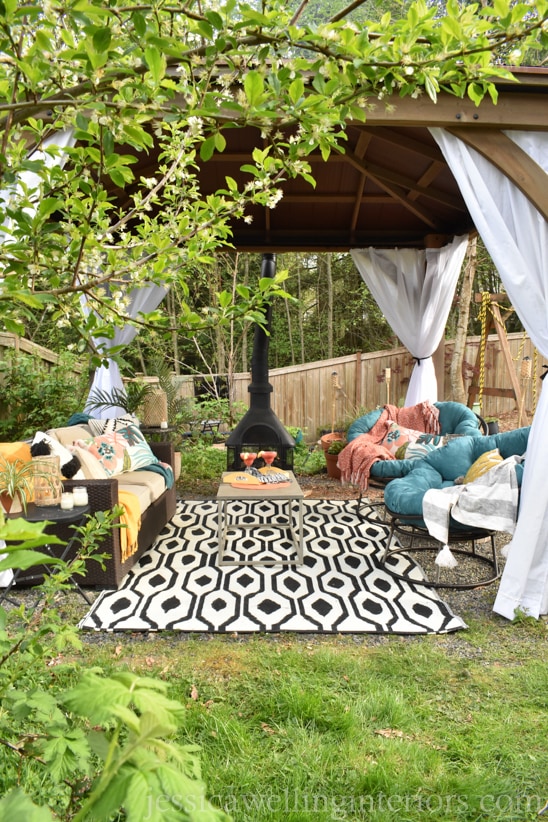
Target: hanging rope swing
{"points": [[490, 316]]}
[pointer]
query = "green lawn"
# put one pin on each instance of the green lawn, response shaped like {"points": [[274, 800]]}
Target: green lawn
{"points": [[321, 728]]}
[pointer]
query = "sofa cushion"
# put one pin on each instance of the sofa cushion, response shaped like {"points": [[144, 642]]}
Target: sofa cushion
{"points": [[440, 468], [69, 434], [152, 479], [142, 492], [457, 418]]}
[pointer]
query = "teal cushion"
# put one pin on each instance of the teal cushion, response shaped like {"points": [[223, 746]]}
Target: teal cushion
{"points": [[440, 468], [363, 424], [457, 418]]}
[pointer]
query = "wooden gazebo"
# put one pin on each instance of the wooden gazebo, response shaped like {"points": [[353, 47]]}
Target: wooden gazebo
{"points": [[392, 186]]}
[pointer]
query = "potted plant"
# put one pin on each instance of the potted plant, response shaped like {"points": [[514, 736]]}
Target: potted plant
{"points": [[492, 425], [332, 455], [16, 481]]}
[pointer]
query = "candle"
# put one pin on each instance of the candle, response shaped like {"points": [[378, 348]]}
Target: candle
{"points": [[163, 424], [67, 501], [80, 495]]}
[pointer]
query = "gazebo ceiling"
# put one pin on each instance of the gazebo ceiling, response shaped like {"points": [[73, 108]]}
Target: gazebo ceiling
{"points": [[392, 186]]}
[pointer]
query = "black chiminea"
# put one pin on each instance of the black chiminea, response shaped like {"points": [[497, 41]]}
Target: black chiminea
{"points": [[260, 429]]}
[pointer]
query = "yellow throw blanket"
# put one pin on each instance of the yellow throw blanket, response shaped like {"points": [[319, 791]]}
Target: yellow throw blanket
{"points": [[131, 519]]}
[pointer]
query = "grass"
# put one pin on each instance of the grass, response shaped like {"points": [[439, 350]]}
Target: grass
{"points": [[318, 728], [323, 728]]}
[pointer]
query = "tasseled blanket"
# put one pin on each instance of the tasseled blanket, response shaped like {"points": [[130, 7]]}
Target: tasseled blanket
{"points": [[356, 459], [131, 522]]}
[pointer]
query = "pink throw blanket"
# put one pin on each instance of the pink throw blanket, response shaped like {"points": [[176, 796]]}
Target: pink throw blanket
{"points": [[356, 459]]}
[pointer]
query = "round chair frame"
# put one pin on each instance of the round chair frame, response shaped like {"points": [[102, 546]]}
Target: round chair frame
{"points": [[414, 529]]}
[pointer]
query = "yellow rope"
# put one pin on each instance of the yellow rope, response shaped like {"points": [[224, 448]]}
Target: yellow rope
{"points": [[485, 302]]}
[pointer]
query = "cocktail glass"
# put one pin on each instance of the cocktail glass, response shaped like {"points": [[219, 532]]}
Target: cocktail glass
{"points": [[268, 456], [248, 458]]}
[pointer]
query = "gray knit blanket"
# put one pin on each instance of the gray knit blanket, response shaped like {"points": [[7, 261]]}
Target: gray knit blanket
{"points": [[490, 502]]}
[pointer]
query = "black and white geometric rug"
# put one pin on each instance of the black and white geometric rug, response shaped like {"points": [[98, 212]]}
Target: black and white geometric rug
{"points": [[341, 587]]}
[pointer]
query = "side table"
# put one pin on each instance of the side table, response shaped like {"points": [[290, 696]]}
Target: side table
{"points": [[57, 515], [289, 494]]}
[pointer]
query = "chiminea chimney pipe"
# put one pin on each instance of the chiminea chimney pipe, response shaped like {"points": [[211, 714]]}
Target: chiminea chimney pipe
{"points": [[260, 385], [260, 428]]}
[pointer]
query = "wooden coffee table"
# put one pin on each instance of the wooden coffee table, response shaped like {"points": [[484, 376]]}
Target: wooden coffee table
{"points": [[289, 494]]}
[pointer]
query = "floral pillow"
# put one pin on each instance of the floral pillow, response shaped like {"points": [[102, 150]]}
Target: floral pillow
{"points": [[396, 436], [110, 451], [138, 449]]}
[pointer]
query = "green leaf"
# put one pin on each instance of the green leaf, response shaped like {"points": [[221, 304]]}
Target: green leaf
{"points": [[156, 63], [296, 90], [26, 559], [254, 87], [102, 38], [139, 23], [215, 19], [225, 299], [17, 807], [220, 142], [207, 148], [430, 89]]}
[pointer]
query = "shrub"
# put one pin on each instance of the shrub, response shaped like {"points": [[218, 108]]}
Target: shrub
{"points": [[36, 397], [81, 745]]}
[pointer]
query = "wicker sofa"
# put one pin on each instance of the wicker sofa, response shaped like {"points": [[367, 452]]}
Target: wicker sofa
{"points": [[157, 504]]}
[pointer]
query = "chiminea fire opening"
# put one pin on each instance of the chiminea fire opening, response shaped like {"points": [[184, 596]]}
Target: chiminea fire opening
{"points": [[260, 429]]}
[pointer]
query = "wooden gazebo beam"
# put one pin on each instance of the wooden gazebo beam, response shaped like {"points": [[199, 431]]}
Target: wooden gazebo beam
{"points": [[509, 158]]}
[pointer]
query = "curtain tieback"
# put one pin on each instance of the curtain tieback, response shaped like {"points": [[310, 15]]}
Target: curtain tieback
{"points": [[418, 360]]}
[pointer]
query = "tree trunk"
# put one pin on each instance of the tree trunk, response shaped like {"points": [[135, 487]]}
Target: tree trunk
{"points": [[329, 277], [290, 332], [458, 393], [301, 309]]}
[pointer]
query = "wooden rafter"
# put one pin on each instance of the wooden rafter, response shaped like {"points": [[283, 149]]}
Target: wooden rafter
{"points": [[509, 158]]}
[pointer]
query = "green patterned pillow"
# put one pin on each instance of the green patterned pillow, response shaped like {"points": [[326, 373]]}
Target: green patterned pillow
{"points": [[138, 449]]}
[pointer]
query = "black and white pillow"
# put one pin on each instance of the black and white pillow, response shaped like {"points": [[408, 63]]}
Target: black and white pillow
{"points": [[43, 446], [112, 424]]}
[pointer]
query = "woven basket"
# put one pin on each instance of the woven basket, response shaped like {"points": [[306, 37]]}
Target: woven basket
{"points": [[155, 408], [47, 480]]}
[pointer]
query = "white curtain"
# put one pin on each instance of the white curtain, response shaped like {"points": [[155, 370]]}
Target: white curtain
{"points": [[107, 378], [516, 236], [414, 289]]}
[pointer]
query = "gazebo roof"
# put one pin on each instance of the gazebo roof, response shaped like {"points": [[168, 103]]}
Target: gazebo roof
{"points": [[392, 186]]}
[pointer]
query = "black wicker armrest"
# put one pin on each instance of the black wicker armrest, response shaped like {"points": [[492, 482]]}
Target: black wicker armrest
{"points": [[102, 493], [163, 451]]}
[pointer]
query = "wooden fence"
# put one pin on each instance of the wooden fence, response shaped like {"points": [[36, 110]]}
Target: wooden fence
{"points": [[20, 344], [318, 395]]}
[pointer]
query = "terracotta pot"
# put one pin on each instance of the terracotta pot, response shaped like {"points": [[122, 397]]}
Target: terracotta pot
{"points": [[177, 465], [327, 439], [332, 469], [6, 501]]}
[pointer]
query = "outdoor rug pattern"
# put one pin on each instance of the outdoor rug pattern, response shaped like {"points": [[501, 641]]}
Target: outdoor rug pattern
{"points": [[341, 587]]}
